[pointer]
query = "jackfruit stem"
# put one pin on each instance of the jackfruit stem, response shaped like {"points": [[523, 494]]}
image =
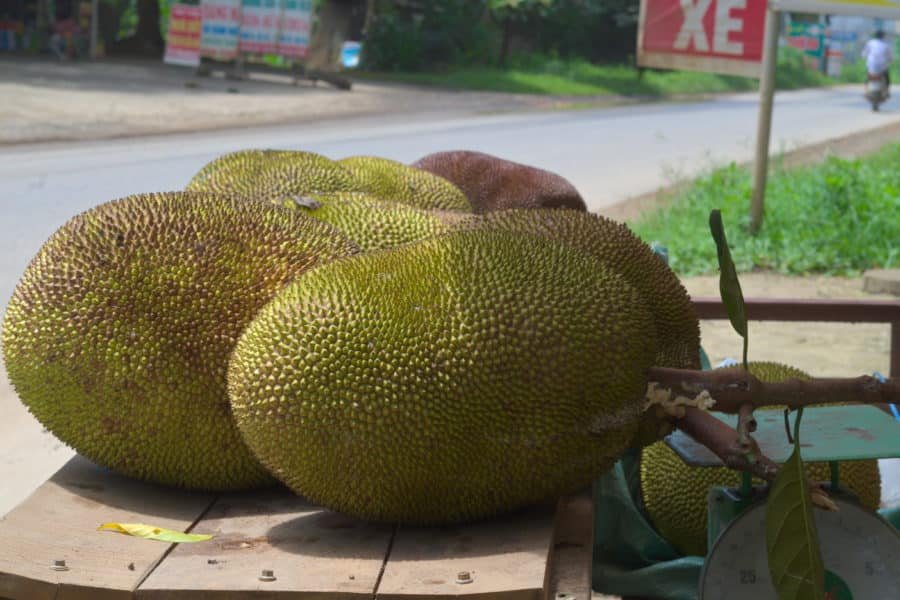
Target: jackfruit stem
{"points": [[724, 442], [673, 405], [746, 425], [733, 388]]}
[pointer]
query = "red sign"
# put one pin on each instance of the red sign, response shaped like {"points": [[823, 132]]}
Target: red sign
{"points": [[722, 36]]}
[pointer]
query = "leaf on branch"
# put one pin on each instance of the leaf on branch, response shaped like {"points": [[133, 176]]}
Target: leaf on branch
{"points": [[729, 285], [792, 542]]}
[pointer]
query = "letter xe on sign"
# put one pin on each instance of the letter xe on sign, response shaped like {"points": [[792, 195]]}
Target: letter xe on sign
{"points": [[723, 36]]}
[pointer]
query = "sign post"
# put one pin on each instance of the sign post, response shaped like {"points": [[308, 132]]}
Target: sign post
{"points": [[735, 37], [764, 121]]}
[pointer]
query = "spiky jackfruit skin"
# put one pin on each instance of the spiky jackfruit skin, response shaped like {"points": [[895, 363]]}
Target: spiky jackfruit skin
{"points": [[397, 182], [445, 380], [118, 335], [492, 183], [674, 494], [272, 175], [372, 223], [675, 321]]}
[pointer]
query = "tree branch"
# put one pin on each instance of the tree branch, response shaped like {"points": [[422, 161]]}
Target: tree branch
{"points": [[733, 388], [723, 441]]}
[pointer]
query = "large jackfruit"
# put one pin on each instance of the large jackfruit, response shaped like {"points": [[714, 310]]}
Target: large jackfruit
{"points": [[273, 175], [375, 224], [674, 494], [445, 380], [118, 335], [397, 182], [675, 321], [492, 183]]}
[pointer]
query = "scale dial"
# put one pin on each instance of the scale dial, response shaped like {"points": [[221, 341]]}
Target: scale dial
{"points": [[860, 550]]}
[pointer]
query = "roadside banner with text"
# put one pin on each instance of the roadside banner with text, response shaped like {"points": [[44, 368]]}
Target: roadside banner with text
{"points": [[295, 26], [719, 36], [221, 26], [885, 9], [260, 22], [183, 36]]}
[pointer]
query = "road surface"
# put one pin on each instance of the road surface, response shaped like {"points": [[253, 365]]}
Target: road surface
{"points": [[609, 154]]}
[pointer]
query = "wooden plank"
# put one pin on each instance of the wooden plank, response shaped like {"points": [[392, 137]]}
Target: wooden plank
{"points": [[505, 557], [569, 574], [313, 553], [59, 522]]}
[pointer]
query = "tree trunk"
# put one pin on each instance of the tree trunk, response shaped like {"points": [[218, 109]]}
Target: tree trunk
{"points": [[331, 31], [504, 43]]}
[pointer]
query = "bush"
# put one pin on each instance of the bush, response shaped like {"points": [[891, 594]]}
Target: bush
{"points": [[839, 217], [444, 33]]}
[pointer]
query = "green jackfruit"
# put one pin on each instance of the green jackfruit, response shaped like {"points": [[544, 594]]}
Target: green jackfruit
{"points": [[372, 223], [272, 175], [118, 335], [445, 380], [674, 494], [397, 182], [676, 324]]}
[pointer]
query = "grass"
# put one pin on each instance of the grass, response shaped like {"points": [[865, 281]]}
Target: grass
{"points": [[576, 77], [836, 218]]}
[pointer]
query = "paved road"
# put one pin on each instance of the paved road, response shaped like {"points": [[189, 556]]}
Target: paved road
{"points": [[609, 154]]}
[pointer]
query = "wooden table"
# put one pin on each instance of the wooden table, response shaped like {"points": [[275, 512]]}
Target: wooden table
{"points": [[543, 553]]}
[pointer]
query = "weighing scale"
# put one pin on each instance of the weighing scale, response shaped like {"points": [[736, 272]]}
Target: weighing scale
{"points": [[860, 549]]}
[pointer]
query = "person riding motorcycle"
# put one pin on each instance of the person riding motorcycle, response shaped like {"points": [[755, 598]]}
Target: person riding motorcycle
{"points": [[878, 57]]}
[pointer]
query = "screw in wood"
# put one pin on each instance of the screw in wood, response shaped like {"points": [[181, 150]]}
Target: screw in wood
{"points": [[59, 565], [267, 575], [463, 577]]}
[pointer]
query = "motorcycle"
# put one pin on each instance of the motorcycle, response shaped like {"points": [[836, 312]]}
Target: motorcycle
{"points": [[876, 90]]}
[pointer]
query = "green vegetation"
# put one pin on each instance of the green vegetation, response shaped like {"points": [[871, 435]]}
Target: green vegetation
{"points": [[536, 74], [855, 72], [836, 218]]}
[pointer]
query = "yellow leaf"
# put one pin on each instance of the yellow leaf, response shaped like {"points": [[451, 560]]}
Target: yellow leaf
{"points": [[154, 533]]}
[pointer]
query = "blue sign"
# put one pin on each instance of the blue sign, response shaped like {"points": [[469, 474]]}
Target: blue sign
{"points": [[842, 36]]}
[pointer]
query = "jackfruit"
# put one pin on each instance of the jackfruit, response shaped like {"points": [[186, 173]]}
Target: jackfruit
{"points": [[675, 321], [372, 223], [118, 334], [674, 494], [492, 183], [392, 180], [272, 175], [444, 380], [677, 327]]}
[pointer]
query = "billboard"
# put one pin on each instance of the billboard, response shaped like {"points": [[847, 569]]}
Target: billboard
{"points": [[255, 27], [183, 36], [720, 36], [260, 24], [886, 9], [295, 27], [221, 26]]}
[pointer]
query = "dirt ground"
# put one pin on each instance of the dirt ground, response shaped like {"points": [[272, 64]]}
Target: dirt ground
{"points": [[822, 349], [49, 100]]}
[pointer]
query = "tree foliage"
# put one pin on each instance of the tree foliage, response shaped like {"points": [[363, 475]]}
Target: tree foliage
{"points": [[406, 35]]}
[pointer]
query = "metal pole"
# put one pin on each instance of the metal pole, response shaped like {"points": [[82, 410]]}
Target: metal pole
{"points": [[95, 19], [764, 121]]}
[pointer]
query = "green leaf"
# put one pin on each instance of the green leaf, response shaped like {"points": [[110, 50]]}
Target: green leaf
{"points": [[792, 543], [152, 532], [729, 285]]}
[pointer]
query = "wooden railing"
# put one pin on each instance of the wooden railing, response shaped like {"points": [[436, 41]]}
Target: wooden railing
{"points": [[833, 311]]}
